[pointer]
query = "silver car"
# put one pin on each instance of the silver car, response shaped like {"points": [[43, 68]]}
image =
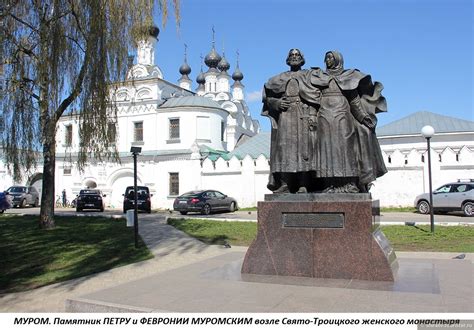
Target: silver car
{"points": [[454, 196], [24, 195]]}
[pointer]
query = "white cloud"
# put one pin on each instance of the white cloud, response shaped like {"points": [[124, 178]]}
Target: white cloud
{"points": [[254, 96]]}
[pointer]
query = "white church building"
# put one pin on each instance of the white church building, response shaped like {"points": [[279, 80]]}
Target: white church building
{"points": [[207, 139], [177, 130]]}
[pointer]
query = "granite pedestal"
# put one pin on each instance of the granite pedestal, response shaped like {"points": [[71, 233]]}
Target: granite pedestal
{"points": [[321, 236]]}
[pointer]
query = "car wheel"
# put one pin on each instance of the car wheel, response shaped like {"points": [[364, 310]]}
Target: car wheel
{"points": [[232, 207], [23, 203], [423, 207], [468, 209], [183, 212], [1, 211], [206, 209]]}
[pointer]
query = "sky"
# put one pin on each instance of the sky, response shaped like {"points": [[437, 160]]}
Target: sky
{"points": [[421, 51]]}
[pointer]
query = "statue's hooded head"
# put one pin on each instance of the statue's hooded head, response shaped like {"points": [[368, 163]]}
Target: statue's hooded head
{"points": [[334, 62]]}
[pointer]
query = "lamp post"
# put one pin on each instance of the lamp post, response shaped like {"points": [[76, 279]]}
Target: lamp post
{"points": [[135, 151], [428, 132]]}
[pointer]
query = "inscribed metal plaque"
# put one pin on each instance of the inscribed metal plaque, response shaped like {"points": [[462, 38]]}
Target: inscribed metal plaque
{"points": [[313, 220]]}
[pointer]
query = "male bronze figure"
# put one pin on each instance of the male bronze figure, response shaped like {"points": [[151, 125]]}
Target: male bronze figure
{"points": [[290, 102]]}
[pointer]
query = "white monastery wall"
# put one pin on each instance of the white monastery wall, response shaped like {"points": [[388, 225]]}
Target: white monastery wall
{"points": [[245, 179]]}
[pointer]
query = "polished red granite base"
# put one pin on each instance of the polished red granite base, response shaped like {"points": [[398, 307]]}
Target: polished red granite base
{"points": [[291, 242]]}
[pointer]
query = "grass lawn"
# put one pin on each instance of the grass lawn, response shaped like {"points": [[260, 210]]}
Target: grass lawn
{"points": [[407, 209], [402, 238], [217, 232], [253, 208], [419, 238], [31, 257]]}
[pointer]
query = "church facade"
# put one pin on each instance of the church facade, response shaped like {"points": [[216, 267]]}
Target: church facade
{"points": [[176, 129]]}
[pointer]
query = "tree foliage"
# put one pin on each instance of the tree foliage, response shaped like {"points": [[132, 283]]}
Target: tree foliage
{"points": [[59, 57]]}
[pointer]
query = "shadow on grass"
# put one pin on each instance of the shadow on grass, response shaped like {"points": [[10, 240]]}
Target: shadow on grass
{"points": [[31, 257], [214, 240], [194, 229], [217, 232], [422, 229]]}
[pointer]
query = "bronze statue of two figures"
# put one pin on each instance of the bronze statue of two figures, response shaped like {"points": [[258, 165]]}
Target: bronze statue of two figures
{"points": [[321, 222], [323, 128]]}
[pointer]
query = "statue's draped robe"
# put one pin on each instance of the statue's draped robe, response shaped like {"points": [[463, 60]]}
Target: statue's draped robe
{"points": [[292, 135], [345, 147]]}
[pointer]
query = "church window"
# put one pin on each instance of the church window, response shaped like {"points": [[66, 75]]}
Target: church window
{"points": [[440, 158], [111, 131], [457, 157], [68, 136], [222, 131], [67, 170], [389, 159], [138, 131], [174, 128], [174, 184], [2, 122]]}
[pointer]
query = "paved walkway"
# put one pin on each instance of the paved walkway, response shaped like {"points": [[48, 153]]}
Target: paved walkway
{"points": [[187, 275]]}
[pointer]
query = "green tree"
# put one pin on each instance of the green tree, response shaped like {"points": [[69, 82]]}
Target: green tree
{"points": [[62, 54]]}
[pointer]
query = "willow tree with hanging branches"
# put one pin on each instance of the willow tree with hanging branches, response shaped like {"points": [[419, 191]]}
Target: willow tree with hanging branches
{"points": [[60, 55]]}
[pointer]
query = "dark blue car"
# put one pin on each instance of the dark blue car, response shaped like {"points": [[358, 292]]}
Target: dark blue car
{"points": [[205, 202]]}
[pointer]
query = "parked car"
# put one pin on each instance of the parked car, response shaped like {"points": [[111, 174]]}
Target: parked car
{"points": [[5, 201], [90, 199], [143, 199], [204, 201], [454, 196], [24, 195]]}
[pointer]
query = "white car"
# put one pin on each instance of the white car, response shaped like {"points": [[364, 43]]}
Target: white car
{"points": [[454, 196]]}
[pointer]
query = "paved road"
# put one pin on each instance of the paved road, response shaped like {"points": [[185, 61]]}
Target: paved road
{"points": [[388, 217]]}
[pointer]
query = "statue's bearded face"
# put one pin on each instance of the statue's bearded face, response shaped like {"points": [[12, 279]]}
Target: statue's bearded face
{"points": [[294, 58]]}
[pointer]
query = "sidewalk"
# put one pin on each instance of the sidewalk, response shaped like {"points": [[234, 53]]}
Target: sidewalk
{"points": [[189, 276]]}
